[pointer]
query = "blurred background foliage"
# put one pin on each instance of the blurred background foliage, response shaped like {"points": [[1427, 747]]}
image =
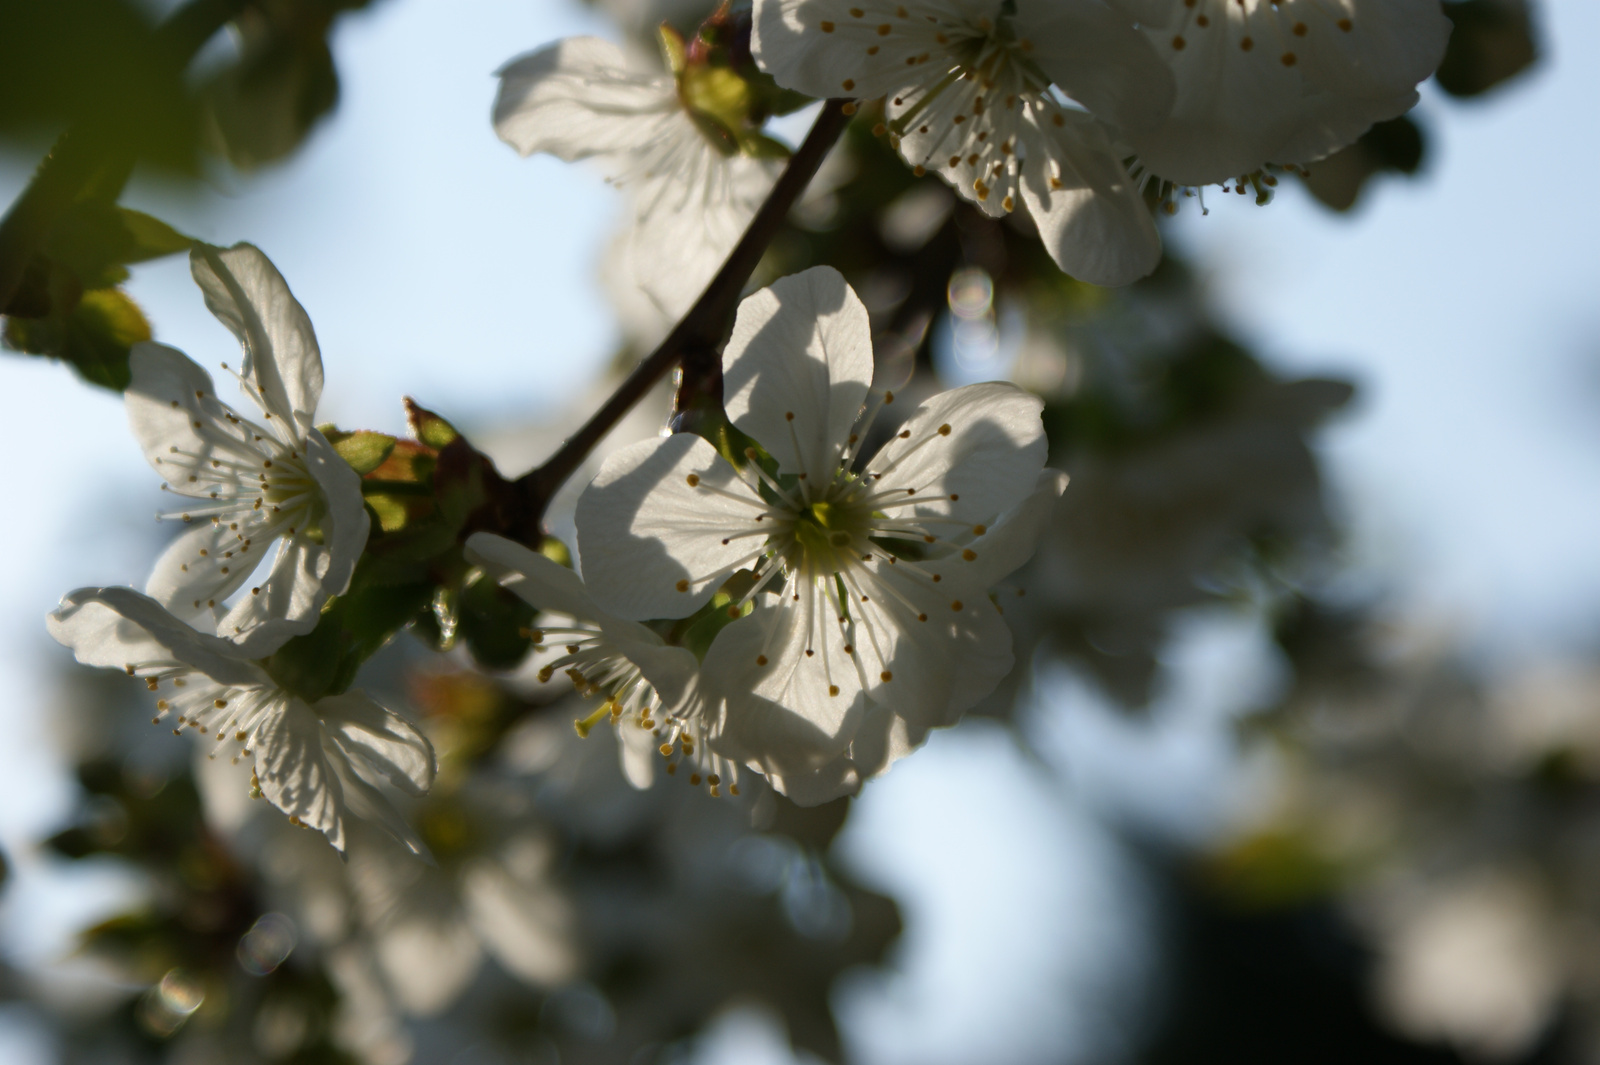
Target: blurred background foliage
{"points": [[1418, 886]]}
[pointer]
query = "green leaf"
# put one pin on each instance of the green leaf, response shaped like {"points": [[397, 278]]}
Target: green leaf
{"points": [[363, 449], [95, 240], [95, 337]]}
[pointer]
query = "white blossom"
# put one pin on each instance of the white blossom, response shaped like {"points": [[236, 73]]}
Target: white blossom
{"points": [[651, 690], [316, 761], [253, 482], [973, 90], [492, 893], [691, 195], [1279, 81], [877, 624]]}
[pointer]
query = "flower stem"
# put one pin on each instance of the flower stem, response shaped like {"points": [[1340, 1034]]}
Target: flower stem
{"points": [[90, 152], [700, 332]]}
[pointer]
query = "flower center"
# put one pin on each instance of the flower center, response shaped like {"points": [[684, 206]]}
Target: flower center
{"points": [[966, 113], [826, 534]]}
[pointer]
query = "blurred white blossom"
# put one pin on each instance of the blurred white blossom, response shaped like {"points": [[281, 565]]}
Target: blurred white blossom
{"points": [[692, 190]]}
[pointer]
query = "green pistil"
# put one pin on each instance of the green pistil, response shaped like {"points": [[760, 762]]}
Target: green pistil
{"points": [[826, 533]]}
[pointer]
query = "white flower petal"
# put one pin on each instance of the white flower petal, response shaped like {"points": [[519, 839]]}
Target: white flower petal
{"points": [[1096, 57], [928, 671], [824, 48], [654, 545], [378, 742], [783, 711], [577, 99], [689, 219], [1014, 536], [366, 802], [286, 605], [637, 750], [797, 369], [522, 920], [983, 464], [1091, 217], [163, 408], [344, 520], [548, 585], [108, 627], [831, 780], [292, 765], [248, 295], [1282, 82], [190, 583], [540, 581]]}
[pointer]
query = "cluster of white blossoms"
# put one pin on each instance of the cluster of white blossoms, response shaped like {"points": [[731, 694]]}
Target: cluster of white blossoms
{"points": [[853, 597], [1045, 102], [216, 606], [1083, 111]]}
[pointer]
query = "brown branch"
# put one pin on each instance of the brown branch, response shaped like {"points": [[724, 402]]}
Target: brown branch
{"points": [[697, 335], [89, 150]]}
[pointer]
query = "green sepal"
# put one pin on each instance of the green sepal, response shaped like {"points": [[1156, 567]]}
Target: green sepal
{"points": [[400, 488], [351, 629], [760, 146], [363, 449], [674, 50], [556, 551], [428, 427], [723, 139]]}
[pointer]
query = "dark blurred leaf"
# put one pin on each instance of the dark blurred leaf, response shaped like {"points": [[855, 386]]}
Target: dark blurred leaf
{"points": [[261, 109], [95, 62], [1492, 42], [494, 623], [94, 337], [1395, 146]]}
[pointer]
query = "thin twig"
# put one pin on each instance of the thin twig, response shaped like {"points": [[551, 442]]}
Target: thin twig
{"points": [[89, 149], [702, 329]]}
